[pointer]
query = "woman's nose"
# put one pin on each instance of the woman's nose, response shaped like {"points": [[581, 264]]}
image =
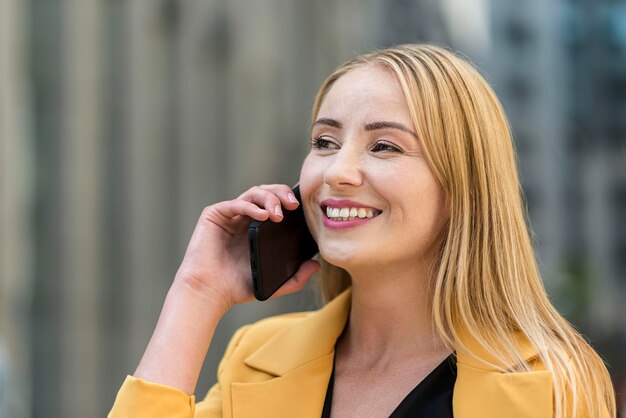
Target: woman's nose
{"points": [[344, 169]]}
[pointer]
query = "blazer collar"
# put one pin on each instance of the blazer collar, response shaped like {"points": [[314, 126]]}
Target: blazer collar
{"points": [[313, 337], [301, 358], [477, 356]]}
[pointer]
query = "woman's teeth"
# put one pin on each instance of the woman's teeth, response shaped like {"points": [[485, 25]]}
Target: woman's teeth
{"points": [[348, 214]]}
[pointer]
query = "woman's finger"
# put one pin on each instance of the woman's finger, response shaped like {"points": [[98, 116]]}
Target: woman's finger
{"points": [[284, 193], [232, 208], [266, 200], [273, 198]]}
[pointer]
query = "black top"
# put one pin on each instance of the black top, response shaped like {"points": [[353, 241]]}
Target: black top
{"points": [[431, 398]]}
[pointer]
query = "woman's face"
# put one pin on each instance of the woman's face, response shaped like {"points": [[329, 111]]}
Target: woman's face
{"points": [[369, 196]]}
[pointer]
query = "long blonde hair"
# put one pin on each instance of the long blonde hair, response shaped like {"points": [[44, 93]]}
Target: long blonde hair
{"points": [[486, 282]]}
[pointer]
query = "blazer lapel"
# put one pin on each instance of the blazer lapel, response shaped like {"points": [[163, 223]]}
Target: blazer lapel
{"points": [[298, 362], [299, 393], [483, 391]]}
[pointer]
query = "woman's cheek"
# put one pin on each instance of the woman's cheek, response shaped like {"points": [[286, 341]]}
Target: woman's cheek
{"points": [[305, 189], [311, 178], [307, 192]]}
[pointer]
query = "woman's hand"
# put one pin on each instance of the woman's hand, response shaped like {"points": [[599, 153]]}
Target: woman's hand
{"points": [[214, 275], [217, 260]]}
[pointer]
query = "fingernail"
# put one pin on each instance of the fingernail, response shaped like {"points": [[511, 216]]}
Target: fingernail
{"points": [[277, 210], [292, 198]]}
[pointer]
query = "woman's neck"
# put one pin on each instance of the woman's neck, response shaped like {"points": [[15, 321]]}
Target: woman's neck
{"points": [[391, 317]]}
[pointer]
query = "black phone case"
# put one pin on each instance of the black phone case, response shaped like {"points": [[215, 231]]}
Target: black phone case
{"points": [[277, 249]]}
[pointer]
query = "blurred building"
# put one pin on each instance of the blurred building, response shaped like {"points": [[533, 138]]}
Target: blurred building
{"points": [[595, 132], [125, 119]]}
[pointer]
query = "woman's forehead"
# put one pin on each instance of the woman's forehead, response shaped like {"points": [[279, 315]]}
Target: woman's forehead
{"points": [[366, 92]]}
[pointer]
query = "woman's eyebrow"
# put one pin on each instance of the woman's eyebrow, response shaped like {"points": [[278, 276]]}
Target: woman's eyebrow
{"points": [[328, 122], [373, 126], [386, 125]]}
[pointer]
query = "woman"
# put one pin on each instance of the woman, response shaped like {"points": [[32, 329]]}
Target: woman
{"points": [[436, 304]]}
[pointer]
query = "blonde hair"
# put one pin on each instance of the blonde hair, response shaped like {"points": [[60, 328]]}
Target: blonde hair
{"points": [[486, 282]]}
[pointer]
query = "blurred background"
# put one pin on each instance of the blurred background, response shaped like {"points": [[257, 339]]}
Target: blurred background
{"points": [[121, 120]]}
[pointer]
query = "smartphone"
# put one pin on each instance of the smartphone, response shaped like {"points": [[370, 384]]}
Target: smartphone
{"points": [[277, 249]]}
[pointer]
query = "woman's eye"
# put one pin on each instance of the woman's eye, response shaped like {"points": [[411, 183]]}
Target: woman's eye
{"points": [[385, 147], [322, 143]]}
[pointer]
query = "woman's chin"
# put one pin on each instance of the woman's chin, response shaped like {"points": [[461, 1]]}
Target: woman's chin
{"points": [[347, 260]]}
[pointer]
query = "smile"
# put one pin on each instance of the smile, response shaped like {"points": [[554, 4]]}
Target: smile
{"points": [[349, 214]]}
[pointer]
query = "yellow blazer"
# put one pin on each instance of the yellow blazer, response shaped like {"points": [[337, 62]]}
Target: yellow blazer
{"points": [[280, 367]]}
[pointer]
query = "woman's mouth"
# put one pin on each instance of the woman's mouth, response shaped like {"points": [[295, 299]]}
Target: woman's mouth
{"points": [[349, 213], [340, 216]]}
